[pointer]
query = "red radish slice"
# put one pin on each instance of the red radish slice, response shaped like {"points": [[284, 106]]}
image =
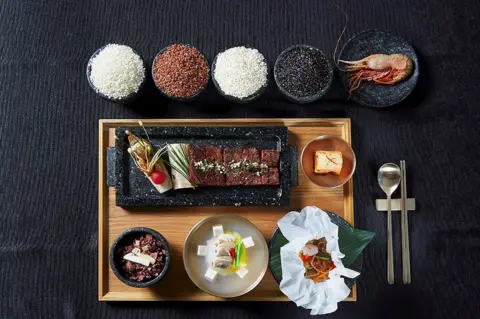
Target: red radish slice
{"points": [[158, 177]]}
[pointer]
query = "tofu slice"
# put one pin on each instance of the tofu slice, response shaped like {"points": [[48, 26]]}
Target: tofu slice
{"points": [[211, 275], [217, 230], [138, 259], [248, 242], [241, 272], [201, 250], [327, 162]]}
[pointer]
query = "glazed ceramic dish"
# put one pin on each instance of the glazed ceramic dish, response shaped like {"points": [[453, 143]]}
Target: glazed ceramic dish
{"points": [[197, 266]]}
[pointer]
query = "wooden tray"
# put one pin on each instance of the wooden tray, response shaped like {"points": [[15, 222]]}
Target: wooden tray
{"points": [[175, 222]]}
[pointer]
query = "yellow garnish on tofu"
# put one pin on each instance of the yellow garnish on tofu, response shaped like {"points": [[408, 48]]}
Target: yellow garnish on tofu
{"points": [[327, 162]]}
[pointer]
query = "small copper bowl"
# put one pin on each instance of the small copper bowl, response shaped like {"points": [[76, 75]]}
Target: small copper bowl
{"points": [[328, 143]]}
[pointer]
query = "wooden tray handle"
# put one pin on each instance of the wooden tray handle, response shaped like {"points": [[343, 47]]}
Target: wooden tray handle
{"points": [[293, 154], [111, 158]]}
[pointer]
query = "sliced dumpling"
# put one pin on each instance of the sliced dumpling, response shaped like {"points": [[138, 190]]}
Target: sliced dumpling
{"points": [[224, 238], [225, 245], [223, 251], [222, 262]]}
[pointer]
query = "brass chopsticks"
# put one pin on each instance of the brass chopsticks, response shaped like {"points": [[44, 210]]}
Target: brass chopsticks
{"points": [[407, 279]]}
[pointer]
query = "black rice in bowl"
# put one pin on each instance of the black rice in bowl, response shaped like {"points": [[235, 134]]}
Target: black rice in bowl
{"points": [[140, 257], [303, 73]]}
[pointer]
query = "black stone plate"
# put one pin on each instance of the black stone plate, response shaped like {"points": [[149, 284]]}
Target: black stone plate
{"points": [[133, 189], [373, 42], [357, 265]]}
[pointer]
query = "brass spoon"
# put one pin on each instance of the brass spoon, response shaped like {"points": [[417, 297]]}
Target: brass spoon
{"points": [[389, 177]]}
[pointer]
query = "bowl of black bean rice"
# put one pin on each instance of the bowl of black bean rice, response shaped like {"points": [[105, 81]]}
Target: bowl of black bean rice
{"points": [[302, 73], [150, 243]]}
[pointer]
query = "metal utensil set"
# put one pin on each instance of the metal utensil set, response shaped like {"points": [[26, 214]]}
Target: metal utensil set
{"points": [[390, 176]]}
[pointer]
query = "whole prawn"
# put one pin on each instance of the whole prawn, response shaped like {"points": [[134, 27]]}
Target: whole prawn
{"points": [[379, 68]]}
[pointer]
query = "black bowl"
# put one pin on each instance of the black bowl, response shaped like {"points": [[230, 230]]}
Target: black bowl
{"points": [[127, 237], [303, 99], [183, 99], [357, 264], [125, 100], [234, 99], [372, 42]]}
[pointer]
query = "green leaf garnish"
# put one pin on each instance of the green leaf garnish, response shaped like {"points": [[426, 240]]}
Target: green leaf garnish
{"points": [[352, 243]]}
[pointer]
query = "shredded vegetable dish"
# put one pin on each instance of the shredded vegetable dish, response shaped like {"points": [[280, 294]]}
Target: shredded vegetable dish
{"points": [[316, 260]]}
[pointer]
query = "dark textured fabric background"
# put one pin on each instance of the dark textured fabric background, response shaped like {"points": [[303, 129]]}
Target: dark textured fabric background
{"points": [[48, 143]]}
